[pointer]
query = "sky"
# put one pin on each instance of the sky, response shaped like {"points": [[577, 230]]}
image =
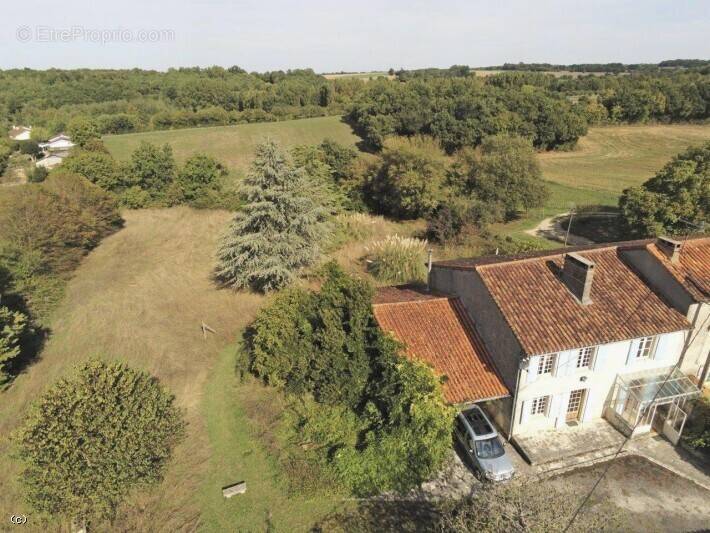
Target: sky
{"points": [[362, 35]]}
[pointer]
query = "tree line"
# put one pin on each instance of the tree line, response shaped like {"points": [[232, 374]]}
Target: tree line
{"points": [[452, 104], [121, 101]]}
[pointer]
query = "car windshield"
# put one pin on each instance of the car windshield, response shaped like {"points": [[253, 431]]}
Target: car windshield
{"points": [[489, 448]]}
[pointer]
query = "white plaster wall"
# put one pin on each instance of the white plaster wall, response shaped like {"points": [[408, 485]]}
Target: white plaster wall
{"points": [[699, 347], [611, 359]]}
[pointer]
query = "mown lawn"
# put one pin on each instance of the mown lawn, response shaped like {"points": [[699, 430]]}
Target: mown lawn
{"points": [[234, 145], [241, 418], [613, 158]]}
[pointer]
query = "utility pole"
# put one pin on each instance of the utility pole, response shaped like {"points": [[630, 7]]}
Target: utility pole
{"points": [[569, 225]]}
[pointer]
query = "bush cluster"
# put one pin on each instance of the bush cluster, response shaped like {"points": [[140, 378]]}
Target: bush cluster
{"points": [[45, 230], [152, 178], [493, 183], [371, 418]]}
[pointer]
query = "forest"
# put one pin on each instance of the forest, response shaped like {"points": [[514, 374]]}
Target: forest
{"points": [[455, 105]]}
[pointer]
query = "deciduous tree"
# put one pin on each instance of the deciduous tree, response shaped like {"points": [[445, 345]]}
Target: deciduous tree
{"points": [[95, 436]]}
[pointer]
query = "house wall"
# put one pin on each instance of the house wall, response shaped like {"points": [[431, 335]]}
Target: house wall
{"points": [[656, 275], [698, 351], [500, 412], [610, 360], [499, 339], [698, 314]]}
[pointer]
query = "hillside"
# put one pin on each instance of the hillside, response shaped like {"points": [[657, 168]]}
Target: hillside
{"points": [[234, 145]]}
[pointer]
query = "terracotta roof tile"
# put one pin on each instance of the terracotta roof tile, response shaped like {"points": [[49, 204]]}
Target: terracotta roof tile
{"points": [[439, 332], [404, 293], [693, 268], [546, 317]]}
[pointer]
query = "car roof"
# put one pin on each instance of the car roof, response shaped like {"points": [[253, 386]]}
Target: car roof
{"points": [[479, 423]]}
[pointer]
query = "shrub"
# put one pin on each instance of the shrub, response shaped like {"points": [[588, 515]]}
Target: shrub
{"points": [[397, 259], [95, 436], [96, 166], [134, 198], [446, 223], [369, 417], [152, 168], [14, 330], [677, 195], [503, 178], [37, 174], [697, 430], [61, 219], [199, 176]]}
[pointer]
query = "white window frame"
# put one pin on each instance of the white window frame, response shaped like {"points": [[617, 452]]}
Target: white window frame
{"points": [[547, 364], [646, 348], [588, 353], [539, 406]]}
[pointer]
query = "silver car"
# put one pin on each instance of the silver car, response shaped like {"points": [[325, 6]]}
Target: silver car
{"points": [[476, 434]]}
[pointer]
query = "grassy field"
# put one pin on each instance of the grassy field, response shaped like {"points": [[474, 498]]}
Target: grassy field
{"points": [[611, 159], [141, 297], [234, 145], [366, 76], [606, 161]]}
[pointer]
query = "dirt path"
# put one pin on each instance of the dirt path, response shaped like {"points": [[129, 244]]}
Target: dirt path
{"points": [[553, 228]]}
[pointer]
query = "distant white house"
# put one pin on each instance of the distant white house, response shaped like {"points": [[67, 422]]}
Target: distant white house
{"points": [[20, 133], [57, 144], [50, 161]]}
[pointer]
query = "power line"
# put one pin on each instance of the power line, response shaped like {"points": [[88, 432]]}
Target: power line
{"points": [[627, 438]]}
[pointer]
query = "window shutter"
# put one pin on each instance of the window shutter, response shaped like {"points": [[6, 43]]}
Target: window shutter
{"points": [[663, 349], [554, 409], [633, 348], [533, 367], [561, 411], [562, 364], [589, 400], [524, 411], [599, 358]]}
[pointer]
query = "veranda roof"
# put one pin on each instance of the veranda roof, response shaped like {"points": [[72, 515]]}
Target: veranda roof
{"points": [[659, 385]]}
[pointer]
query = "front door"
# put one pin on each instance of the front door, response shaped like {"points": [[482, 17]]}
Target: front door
{"points": [[575, 404]]}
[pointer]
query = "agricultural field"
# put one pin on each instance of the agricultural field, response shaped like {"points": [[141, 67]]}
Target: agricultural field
{"points": [[366, 76], [610, 159], [234, 145]]}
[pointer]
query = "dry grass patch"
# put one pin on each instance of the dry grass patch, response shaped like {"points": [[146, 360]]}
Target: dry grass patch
{"points": [[140, 297]]}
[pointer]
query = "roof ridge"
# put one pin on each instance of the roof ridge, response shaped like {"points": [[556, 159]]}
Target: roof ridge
{"points": [[420, 301]]}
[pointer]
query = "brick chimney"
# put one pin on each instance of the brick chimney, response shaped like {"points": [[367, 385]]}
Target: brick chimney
{"points": [[577, 274], [670, 247]]}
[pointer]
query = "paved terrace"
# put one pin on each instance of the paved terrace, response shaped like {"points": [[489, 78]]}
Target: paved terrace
{"points": [[556, 445]]}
